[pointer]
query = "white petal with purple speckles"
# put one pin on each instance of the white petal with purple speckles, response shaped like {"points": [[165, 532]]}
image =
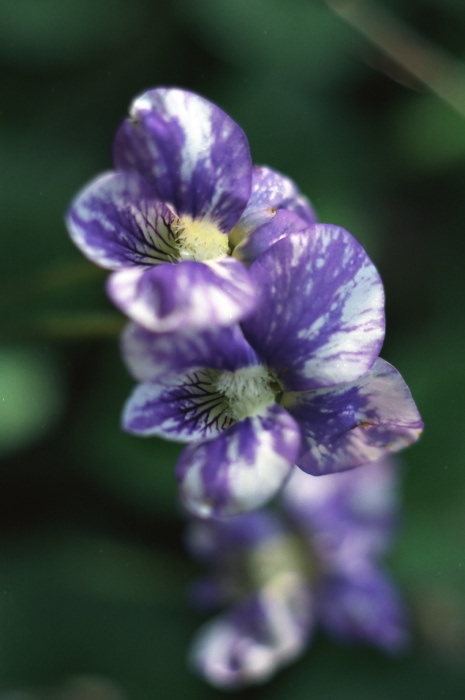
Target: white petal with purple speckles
{"points": [[265, 631], [194, 155], [116, 223], [320, 318], [271, 191], [241, 468], [189, 294], [150, 355], [353, 424]]}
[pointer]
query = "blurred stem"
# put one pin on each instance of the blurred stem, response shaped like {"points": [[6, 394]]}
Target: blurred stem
{"points": [[61, 325], [69, 326], [46, 281], [439, 72]]}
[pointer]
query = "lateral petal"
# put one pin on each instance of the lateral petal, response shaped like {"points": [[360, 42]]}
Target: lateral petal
{"points": [[116, 222], [184, 407], [271, 191], [357, 423]]}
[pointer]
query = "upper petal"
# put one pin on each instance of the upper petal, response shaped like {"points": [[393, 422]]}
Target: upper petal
{"points": [[241, 468], [195, 157], [320, 317], [151, 355], [185, 295], [271, 191], [353, 424], [116, 222]]}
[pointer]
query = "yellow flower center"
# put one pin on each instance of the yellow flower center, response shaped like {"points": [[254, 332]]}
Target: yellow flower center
{"points": [[248, 391], [199, 240]]}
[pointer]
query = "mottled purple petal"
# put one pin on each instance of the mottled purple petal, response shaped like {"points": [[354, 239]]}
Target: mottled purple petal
{"points": [[150, 355], [282, 224], [183, 407], [271, 191], [263, 633], [211, 540], [192, 154], [241, 468], [353, 424], [116, 223], [186, 295], [347, 516], [364, 607], [320, 318]]}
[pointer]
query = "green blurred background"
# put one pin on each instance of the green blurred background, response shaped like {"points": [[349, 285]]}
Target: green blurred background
{"points": [[92, 568]]}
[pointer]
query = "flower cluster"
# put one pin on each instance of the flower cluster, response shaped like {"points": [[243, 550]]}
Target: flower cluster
{"points": [[312, 562], [255, 330]]}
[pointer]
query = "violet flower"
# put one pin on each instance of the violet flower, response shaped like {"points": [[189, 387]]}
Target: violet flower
{"points": [[182, 196], [280, 574], [299, 382]]}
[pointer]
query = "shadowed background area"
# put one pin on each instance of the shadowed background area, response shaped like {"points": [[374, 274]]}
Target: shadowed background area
{"points": [[93, 571]]}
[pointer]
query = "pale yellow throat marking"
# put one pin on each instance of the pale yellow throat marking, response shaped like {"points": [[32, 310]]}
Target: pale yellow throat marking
{"points": [[199, 240], [248, 391]]}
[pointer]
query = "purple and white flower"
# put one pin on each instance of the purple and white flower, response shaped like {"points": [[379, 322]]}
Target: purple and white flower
{"points": [[298, 382], [182, 196], [280, 574]]}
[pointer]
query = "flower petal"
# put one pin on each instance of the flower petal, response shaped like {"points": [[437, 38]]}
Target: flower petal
{"points": [[116, 223], [263, 633], [215, 541], [270, 191], [241, 468], [282, 224], [185, 295], [183, 407], [320, 317], [363, 607], [359, 508], [193, 155], [353, 424], [149, 355]]}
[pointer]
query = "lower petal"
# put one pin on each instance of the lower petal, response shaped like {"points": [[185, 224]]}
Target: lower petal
{"points": [[264, 632], [241, 468], [353, 424], [186, 295]]}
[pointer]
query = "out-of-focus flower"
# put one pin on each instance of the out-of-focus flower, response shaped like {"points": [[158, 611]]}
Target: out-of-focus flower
{"points": [[299, 381], [182, 196], [314, 562]]}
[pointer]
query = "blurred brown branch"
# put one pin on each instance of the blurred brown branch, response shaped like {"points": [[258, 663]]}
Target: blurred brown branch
{"points": [[434, 68]]}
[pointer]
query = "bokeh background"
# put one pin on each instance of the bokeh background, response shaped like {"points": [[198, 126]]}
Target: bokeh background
{"points": [[93, 572]]}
